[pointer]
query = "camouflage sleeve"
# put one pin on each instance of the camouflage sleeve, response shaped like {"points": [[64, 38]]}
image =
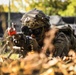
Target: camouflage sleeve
{"points": [[61, 44]]}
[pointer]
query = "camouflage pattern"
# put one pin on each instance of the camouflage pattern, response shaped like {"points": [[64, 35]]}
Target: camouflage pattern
{"points": [[64, 39], [35, 19], [38, 22]]}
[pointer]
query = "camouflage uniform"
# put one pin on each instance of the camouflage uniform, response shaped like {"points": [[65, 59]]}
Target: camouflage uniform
{"points": [[64, 41], [38, 22]]}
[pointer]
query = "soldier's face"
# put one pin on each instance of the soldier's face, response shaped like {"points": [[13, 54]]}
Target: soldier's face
{"points": [[37, 31]]}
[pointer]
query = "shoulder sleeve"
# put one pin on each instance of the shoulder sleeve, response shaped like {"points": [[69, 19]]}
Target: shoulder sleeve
{"points": [[61, 44]]}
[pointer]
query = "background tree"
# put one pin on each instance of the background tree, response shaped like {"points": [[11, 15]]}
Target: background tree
{"points": [[70, 10], [55, 7], [50, 7], [1, 8]]}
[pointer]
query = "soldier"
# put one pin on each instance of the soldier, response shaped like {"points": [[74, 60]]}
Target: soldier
{"points": [[61, 41], [38, 23]]}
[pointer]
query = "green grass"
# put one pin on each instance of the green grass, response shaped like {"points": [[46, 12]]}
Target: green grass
{"points": [[13, 56]]}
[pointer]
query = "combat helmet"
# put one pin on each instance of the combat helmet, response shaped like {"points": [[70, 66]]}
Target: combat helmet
{"points": [[35, 19]]}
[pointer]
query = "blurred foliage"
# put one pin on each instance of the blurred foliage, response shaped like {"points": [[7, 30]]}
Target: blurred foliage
{"points": [[70, 10], [56, 7], [38, 64], [50, 7], [1, 8]]}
